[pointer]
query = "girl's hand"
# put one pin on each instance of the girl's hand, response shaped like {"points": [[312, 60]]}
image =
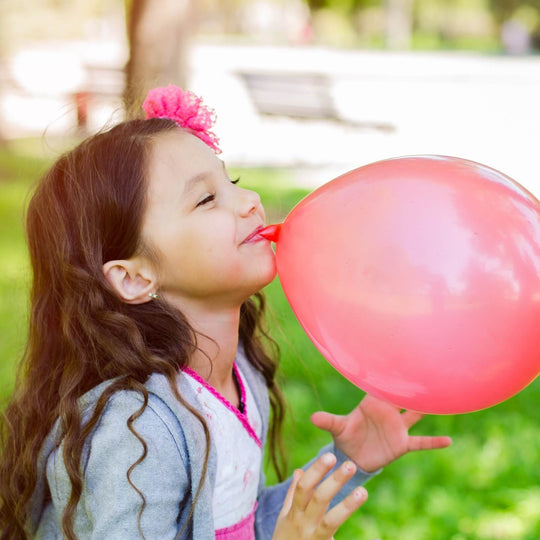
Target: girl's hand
{"points": [[376, 433], [304, 513]]}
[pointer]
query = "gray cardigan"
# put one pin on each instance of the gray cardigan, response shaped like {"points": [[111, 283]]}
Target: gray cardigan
{"points": [[168, 476]]}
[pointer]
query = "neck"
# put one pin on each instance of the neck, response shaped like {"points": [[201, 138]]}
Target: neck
{"points": [[217, 342]]}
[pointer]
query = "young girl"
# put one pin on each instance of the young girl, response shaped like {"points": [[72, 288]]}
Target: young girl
{"points": [[143, 404]]}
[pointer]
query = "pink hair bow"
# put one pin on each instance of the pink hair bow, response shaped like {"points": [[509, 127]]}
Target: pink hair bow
{"points": [[184, 108]]}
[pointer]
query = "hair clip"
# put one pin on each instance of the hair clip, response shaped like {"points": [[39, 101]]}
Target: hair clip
{"points": [[184, 108]]}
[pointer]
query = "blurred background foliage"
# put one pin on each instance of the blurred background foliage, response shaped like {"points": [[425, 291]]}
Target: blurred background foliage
{"points": [[159, 31], [424, 24]]}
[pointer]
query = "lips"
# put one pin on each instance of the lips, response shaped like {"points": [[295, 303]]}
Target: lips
{"points": [[254, 236]]}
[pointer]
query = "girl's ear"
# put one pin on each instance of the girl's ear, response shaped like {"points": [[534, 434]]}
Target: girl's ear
{"points": [[131, 279]]}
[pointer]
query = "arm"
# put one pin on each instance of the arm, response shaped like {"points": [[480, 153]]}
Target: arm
{"points": [[111, 504]]}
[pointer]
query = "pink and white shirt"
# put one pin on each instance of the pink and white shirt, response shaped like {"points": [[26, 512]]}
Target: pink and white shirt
{"points": [[236, 435]]}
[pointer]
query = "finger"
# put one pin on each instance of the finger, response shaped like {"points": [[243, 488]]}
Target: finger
{"points": [[428, 443], [411, 417], [329, 422], [287, 503], [309, 480], [340, 513], [327, 490]]}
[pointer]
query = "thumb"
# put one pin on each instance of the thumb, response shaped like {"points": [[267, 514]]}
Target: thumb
{"points": [[329, 422]]}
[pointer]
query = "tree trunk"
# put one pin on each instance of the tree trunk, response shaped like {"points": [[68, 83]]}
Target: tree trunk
{"points": [[398, 23], [158, 32]]}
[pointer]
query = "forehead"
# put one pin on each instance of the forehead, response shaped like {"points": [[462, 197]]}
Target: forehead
{"points": [[176, 158], [182, 150]]}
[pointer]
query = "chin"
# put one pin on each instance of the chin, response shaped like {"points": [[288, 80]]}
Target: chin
{"points": [[263, 280], [271, 271], [259, 274], [269, 280]]}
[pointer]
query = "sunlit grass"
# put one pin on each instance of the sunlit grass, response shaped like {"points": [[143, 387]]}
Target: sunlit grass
{"points": [[485, 487], [18, 171]]}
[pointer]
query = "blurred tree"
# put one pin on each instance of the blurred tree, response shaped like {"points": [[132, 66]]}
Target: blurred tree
{"points": [[158, 33], [519, 24], [398, 15], [227, 11], [399, 23], [504, 9], [346, 6]]}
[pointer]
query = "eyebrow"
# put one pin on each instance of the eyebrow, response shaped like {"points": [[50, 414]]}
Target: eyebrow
{"points": [[201, 177], [192, 182]]}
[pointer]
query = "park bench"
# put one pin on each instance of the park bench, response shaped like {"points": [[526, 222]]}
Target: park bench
{"points": [[298, 95]]}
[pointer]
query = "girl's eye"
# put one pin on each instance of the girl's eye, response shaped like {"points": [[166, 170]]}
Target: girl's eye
{"points": [[206, 200]]}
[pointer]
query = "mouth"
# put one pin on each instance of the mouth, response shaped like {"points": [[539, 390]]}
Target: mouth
{"points": [[254, 236]]}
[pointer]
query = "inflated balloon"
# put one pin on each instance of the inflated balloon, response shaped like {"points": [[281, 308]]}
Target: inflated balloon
{"points": [[418, 279]]}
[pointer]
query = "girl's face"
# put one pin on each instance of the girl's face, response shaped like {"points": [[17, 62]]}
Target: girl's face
{"points": [[202, 226]]}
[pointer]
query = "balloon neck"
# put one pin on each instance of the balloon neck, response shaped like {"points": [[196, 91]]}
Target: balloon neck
{"points": [[271, 232]]}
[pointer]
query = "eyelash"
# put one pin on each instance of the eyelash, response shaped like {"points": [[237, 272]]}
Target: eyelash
{"points": [[207, 199], [211, 197]]}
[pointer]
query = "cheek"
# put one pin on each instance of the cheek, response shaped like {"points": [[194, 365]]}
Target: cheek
{"points": [[212, 251]]}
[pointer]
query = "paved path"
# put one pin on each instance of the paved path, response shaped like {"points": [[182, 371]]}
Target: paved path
{"points": [[484, 108]]}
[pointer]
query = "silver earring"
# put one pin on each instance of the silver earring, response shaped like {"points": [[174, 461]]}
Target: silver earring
{"points": [[152, 295]]}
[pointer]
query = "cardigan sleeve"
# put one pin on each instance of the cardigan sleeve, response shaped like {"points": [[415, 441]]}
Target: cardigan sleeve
{"points": [[110, 504], [271, 498]]}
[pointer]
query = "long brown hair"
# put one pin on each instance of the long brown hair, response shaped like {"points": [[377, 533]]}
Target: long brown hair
{"points": [[88, 210]]}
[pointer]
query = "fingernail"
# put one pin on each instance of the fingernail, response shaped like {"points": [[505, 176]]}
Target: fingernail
{"points": [[359, 493], [349, 466], [328, 459]]}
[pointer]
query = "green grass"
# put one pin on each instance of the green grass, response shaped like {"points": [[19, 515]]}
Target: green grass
{"points": [[18, 171], [486, 486]]}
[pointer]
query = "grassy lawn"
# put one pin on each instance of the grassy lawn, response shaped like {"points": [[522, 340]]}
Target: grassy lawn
{"points": [[486, 486]]}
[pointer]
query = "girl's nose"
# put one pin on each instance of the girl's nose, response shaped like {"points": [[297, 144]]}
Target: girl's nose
{"points": [[249, 202]]}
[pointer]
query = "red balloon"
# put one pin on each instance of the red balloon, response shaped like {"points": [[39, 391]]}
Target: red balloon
{"points": [[417, 278]]}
